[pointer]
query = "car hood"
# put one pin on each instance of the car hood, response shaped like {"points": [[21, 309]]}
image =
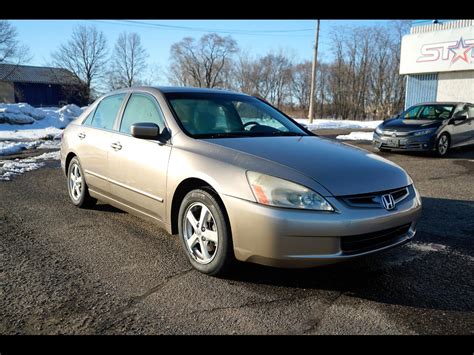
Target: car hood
{"points": [[406, 125], [340, 168]]}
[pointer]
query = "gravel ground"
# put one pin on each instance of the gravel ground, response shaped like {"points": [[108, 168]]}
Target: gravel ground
{"points": [[103, 271]]}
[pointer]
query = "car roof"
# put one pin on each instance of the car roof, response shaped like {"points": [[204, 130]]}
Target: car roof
{"points": [[187, 89], [444, 103], [174, 89]]}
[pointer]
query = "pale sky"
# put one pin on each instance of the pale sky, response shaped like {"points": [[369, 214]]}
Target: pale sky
{"points": [[257, 37]]}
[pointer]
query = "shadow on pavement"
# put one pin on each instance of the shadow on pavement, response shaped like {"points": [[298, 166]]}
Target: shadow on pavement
{"points": [[455, 153], [412, 275]]}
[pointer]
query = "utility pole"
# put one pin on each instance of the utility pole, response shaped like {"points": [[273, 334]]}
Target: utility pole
{"points": [[313, 76]]}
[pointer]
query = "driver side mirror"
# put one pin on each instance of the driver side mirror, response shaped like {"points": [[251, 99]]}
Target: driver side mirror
{"points": [[145, 130]]}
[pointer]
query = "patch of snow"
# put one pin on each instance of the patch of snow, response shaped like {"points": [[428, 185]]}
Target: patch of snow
{"points": [[16, 132], [11, 168], [356, 136], [54, 144], [338, 124], [9, 148], [22, 113], [427, 247]]}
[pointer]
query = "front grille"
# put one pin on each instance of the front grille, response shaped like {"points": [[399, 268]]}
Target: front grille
{"points": [[366, 242], [397, 134], [373, 200]]}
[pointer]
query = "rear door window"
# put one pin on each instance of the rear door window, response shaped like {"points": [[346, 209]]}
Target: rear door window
{"points": [[106, 112]]}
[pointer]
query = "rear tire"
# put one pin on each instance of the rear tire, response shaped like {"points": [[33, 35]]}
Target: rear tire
{"points": [[205, 233], [442, 145], [77, 187]]}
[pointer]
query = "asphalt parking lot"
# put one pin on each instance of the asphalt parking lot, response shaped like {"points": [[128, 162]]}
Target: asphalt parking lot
{"points": [[103, 271]]}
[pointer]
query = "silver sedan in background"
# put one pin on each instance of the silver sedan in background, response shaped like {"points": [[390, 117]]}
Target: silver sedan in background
{"points": [[236, 178]]}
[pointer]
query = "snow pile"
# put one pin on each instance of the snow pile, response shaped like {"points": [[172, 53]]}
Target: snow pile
{"points": [[356, 136], [9, 148], [11, 168], [23, 114], [8, 132], [338, 124]]}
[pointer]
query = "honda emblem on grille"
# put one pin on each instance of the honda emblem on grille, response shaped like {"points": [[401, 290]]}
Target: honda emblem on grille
{"points": [[388, 202], [394, 134]]}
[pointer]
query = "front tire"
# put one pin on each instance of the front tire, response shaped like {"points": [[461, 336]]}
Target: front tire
{"points": [[205, 232], [77, 187], [442, 145]]}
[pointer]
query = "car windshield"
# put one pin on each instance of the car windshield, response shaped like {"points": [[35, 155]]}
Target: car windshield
{"points": [[205, 115], [429, 112]]}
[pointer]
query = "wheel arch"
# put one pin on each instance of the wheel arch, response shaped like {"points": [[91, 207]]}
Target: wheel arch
{"points": [[69, 157], [182, 190]]}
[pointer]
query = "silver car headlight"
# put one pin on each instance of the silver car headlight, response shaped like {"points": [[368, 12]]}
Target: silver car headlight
{"points": [[424, 131], [272, 191], [379, 130]]}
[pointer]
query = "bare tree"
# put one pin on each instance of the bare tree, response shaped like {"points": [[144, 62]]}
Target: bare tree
{"points": [[11, 51], [85, 54], [128, 61], [301, 84], [203, 63]]}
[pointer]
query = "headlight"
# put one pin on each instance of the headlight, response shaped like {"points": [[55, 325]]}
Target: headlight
{"points": [[272, 191], [424, 131], [379, 131]]}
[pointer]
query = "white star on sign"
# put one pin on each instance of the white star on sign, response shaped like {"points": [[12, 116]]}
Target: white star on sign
{"points": [[460, 51]]}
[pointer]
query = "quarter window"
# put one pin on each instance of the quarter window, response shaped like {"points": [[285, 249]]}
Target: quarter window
{"points": [[141, 108], [88, 120], [106, 112], [470, 111]]}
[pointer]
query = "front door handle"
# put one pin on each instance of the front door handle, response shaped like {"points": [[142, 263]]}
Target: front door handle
{"points": [[116, 146], [81, 135]]}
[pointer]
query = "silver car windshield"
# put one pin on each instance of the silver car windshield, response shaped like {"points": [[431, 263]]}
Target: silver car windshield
{"points": [[226, 115]]}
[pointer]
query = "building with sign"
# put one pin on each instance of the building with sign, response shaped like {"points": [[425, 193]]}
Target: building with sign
{"points": [[438, 59]]}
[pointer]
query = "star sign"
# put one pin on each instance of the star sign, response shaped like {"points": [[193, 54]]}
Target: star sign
{"points": [[460, 51]]}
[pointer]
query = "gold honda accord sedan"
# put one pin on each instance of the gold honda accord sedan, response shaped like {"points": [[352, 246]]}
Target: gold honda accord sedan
{"points": [[236, 178]]}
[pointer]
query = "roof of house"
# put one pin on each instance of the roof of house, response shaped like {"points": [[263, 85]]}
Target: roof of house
{"points": [[39, 75]]}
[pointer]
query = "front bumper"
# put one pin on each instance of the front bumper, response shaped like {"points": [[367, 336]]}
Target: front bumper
{"points": [[297, 238], [405, 143]]}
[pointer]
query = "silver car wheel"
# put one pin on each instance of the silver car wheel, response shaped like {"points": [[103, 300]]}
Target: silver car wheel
{"points": [[443, 145], [75, 182], [200, 233]]}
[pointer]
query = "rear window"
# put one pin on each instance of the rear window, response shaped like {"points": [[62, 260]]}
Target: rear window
{"points": [[106, 113]]}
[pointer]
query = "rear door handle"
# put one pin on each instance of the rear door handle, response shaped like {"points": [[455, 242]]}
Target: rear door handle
{"points": [[81, 135], [116, 146]]}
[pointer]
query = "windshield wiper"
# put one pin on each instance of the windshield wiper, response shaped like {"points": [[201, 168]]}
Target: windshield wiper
{"points": [[279, 133], [221, 135], [246, 134]]}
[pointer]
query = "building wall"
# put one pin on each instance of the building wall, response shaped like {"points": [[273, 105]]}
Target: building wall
{"points": [[7, 93], [456, 86], [435, 71], [441, 26], [421, 88]]}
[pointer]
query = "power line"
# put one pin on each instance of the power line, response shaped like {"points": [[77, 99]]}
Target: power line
{"points": [[220, 30], [195, 29]]}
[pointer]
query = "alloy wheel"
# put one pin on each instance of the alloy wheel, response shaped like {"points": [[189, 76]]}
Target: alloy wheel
{"points": [[200, 233], [443, 144], [75, 182]]}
